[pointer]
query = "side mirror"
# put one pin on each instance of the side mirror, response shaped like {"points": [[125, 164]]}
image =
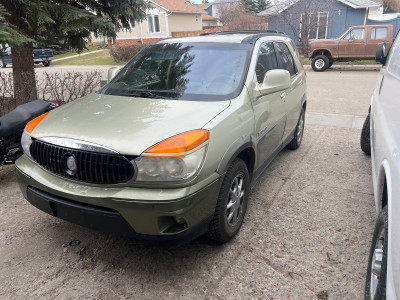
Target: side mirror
{"points": [[275, 81], [381, 53], [112, 72]]}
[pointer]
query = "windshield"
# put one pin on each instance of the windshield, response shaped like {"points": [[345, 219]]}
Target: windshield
{"points": [[196, 71]]}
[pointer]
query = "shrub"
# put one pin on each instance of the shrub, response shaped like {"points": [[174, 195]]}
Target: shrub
{"points": [[125, 53], [61, 87]]}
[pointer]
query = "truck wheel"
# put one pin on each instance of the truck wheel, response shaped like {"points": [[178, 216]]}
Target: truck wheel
{"points": [[320, 63], [365, 141], [232, 203], [330, 63], [375, 284], [2, 64], [46, 63]]}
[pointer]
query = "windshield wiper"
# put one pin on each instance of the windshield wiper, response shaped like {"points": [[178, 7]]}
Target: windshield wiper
{"points": [[145, 94]]}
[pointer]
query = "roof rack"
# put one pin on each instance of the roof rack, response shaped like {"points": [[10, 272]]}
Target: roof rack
{"points": [[246, 31]]}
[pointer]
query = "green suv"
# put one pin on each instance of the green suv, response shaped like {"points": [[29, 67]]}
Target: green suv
{"points": [[169, 149]]}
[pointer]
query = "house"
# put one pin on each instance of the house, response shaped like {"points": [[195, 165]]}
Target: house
{"points": [[213, 8], [164, 18], [330, 18], [208, 20]]}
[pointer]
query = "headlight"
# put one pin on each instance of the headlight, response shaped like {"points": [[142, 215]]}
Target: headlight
{"points": [[175, 159], [26, 142]]}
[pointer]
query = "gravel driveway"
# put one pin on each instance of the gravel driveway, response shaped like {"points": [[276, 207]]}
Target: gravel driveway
{"points": [[306, 234]]}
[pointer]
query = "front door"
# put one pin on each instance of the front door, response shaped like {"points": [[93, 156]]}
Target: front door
{"points": [[269, 109], [353, 44]]}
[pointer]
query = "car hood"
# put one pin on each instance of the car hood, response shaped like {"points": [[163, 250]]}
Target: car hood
{"points": [[125, 124]]}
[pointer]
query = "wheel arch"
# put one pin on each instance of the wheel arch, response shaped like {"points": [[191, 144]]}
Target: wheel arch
{"points": [[325, 52], [238, 149], [383, 190]]}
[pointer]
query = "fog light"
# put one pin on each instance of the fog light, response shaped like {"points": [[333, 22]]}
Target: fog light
{"points": [[180, 220]]}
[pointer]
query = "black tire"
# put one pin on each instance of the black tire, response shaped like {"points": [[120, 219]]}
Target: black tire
{"points": [[46, 63], [365, 140], [2, 64], [320, 63], [298, 132], [380, 238], [220, 229], [330, 63]]}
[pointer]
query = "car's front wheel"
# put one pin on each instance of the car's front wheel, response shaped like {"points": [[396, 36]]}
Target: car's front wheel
{"points": [[232, 203], [375, 285], [320, 63], [46, 63]]}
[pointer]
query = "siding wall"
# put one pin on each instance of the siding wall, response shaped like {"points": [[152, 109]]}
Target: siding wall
{"points": [[338, 23], [184, 22]]}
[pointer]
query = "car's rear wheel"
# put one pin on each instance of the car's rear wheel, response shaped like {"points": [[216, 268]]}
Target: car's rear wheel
{"points": [[320, 63], [375, 285], [365, 139], [2, 63], [232, 203], [46, 63], [298, 133]]}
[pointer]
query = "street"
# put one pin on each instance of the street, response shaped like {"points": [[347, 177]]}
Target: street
{"points": [[306, 234]]}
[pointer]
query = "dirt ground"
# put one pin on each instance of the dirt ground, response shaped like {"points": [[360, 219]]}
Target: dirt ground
{"points": [[306, 234]]}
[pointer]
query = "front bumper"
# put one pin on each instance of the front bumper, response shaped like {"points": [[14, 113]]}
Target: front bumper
{"points": [[136, 212]]}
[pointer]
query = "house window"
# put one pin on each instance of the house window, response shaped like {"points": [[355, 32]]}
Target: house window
{"points": [[153, 23], [315, 24], [197, 18]]}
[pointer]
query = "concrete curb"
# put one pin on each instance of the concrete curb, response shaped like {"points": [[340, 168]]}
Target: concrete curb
{"points": [[338, 67], [78, 55]]}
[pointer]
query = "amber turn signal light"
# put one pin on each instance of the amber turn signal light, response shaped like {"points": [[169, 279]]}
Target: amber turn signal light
{"points": [[181, 143], [33, 123]]}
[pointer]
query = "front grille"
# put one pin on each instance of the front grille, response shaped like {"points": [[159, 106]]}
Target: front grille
{"points": [[91, 167]]}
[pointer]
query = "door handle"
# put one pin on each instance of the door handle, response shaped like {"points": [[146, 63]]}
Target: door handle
{"points": [[283, 95]]}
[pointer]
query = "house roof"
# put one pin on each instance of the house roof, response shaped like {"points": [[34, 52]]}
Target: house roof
{"points": [[209, 18], [360, 3], [203, 5], [183, 6], [223, 1], [284, 5]]}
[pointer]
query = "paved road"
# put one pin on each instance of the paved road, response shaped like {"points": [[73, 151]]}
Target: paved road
{"points": [[306, 234]]}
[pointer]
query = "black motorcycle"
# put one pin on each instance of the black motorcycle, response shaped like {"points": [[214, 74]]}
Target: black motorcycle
{"points": [[12, 126]]}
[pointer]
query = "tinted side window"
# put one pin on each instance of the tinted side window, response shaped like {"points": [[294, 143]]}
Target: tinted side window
{"points": [[285, 59], [266, 61], [394, 59], [379, 33]]}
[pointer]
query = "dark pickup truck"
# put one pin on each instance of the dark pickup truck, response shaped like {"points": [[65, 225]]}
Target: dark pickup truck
{"points": [[357, 43], [44, 56]]}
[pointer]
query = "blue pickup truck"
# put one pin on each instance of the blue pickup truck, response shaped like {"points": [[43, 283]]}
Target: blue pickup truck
{"points": [[44, 56]]}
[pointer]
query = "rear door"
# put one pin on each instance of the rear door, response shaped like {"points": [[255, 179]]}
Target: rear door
{"points": [[376, 35], [291, 98]]}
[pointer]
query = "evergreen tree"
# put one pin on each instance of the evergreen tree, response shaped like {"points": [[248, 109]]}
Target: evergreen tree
{"points": [[23, 22], [254, 6]]}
